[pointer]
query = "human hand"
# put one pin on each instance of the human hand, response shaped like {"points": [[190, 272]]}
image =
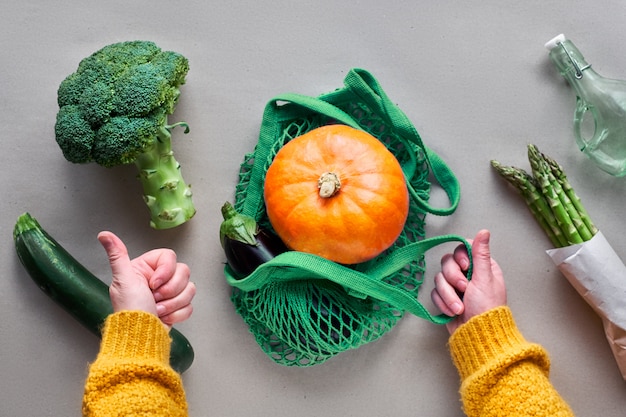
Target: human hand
{"points": [[455, 295], [153, 282]]}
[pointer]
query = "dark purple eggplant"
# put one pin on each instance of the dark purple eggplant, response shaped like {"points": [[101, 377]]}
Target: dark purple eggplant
{"points": [[245, 244]]}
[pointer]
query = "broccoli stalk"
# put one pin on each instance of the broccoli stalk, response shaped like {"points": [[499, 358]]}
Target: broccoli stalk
{"points": [[114, 110], [165, 192]]}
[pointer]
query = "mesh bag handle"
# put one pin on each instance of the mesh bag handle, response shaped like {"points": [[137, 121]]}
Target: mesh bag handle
{"points": [[362, 84], [271, 128], [293, 266]]}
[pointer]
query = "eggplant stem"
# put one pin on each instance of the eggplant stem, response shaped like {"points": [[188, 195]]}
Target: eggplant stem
{"points": [[237, 226]]}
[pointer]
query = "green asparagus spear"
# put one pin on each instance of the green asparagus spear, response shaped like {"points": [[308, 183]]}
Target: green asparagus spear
{"points": [[525, 184], [551, 199], [560, 176], [552, 191]]}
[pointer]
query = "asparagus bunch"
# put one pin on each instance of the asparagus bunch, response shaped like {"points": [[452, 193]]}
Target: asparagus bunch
{"points": [[550, 198]]}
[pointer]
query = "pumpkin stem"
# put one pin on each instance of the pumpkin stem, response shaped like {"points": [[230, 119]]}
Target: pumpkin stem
{"points": [[328, 184]]}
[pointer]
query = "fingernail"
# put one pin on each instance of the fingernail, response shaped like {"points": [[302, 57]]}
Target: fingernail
{"points": [[160, 309], [462, 285], [456, 308], [105, 240], [157, 296]]}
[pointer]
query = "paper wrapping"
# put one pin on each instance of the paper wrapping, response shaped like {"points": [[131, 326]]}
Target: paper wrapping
{"points": [[599, 275]]}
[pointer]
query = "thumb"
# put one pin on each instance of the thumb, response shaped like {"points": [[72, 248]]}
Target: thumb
{"points": [[481, 255], [118, 255]]}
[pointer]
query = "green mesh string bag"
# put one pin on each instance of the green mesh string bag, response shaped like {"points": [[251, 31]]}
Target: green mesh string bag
{"points": [[301, 308]]}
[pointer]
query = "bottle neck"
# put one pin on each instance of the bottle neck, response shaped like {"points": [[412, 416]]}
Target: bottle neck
{"points": [[570, 62]]}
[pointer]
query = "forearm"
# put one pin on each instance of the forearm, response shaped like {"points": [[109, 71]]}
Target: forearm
{"points": [[131, 374], [502, 374]]}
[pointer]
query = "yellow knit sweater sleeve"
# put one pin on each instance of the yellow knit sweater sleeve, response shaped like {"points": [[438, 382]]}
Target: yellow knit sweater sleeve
{"points": [[131, 375], [501, 373]]}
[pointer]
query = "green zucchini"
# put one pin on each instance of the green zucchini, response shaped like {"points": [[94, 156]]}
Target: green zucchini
{"points": [[73, 287]]}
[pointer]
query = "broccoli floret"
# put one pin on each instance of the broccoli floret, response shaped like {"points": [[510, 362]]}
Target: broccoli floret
{"points": [[114, 110]]}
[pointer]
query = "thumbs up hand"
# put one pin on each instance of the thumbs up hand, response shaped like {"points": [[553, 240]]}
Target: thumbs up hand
{"points": [[154, 282]]}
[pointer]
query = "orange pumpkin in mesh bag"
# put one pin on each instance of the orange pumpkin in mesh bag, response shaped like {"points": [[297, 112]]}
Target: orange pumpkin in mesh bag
{"points": [[336, 192]]}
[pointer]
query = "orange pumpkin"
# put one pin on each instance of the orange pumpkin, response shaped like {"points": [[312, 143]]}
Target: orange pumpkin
{"points": [[336, 192]]}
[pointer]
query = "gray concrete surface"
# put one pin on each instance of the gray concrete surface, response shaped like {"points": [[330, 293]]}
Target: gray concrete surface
{"points": [[474, 78]]}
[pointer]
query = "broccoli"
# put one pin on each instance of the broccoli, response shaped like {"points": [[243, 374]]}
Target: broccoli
{"points": [[114, 110]]}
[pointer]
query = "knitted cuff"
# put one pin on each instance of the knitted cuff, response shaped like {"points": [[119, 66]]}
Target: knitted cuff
{"points": [[135, 335], [484, 338]]}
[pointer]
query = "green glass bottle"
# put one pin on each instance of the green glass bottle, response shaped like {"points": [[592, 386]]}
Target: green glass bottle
{"points": [[600, 115]]}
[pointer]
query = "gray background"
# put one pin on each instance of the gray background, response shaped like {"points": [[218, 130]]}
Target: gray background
{"points": [[474, 78]]}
